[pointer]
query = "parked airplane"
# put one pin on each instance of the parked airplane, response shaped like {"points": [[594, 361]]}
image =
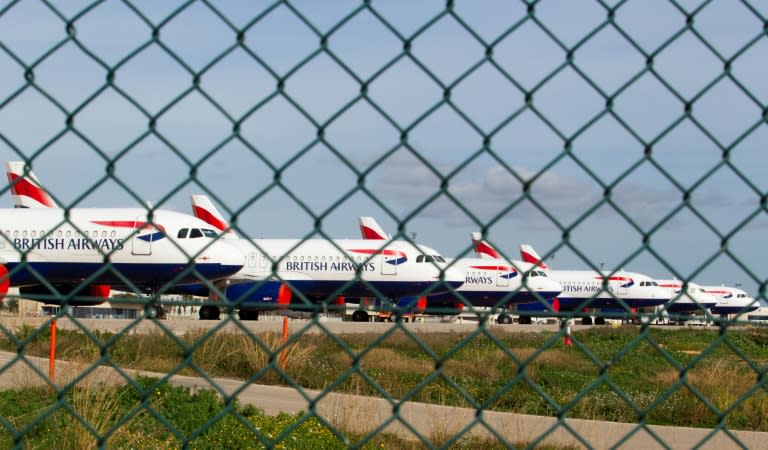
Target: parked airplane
{"points": [[730, 300], [59, 256], [493, 282], [593, 289], [318, 270], [693, 300], [55, 256], [589, 288]]}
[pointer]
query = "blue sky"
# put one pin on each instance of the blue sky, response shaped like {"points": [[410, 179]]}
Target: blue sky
{"points": [[488, 103]]}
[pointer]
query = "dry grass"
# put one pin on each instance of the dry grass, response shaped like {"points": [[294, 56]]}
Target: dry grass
{"points": [[241, 355], [389, 360], [93, 402], [724, 381]]}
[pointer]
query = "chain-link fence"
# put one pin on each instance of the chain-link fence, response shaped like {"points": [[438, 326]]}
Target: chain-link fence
{"points": [[623, 128]]}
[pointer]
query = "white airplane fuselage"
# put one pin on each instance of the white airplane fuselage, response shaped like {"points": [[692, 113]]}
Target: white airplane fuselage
{"points": [[585, 288], [694, 299], [321, 270], [498, 282], [111, 246], [730, 300], [488, 282]]}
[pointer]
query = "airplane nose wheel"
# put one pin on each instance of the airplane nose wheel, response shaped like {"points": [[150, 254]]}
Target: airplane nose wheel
{"points": [[155, 311], [504, 319], [208, 312]]}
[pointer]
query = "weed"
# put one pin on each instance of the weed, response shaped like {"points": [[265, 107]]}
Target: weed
{"points": [[637, 378]]}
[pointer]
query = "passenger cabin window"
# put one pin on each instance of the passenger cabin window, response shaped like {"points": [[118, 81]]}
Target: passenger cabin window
{"points": [[183, 233]]}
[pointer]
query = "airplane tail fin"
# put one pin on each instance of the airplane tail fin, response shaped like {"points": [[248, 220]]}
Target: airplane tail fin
{"points": [[26, 189], [529, 255], [204, 209], [370, 229], [482, 248]]}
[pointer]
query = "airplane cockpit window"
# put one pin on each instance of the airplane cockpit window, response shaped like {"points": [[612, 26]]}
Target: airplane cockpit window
{"points": [[429, 258], [207, 232], [195, 233], [183, 233]]}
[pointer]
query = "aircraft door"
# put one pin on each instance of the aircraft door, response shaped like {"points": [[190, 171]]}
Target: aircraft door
{"points": [[142, 237], [389, 260], [623, 286], [264, 264], [619, 285], [503, 275]]}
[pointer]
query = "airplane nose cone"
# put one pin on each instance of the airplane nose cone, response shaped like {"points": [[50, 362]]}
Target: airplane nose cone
{"points": [[545, 287], [453, 277], [223, 259], [706, 300]]}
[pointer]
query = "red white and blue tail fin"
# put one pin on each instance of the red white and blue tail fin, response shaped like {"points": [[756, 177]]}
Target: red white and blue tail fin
{"points": [[203, 209], [26, 189], [529, 255], [482, 248], [370, 229]]}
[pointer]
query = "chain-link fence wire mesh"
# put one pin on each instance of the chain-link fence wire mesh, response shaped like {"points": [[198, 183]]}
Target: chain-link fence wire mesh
{"points": [[673, 89]]}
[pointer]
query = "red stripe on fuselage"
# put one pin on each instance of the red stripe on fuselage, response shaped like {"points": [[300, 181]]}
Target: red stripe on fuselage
{"points": [[369, 251], [615, 278], [502, 268], [128, 224]]}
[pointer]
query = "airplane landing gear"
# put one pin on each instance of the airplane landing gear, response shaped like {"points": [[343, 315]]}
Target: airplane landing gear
{"points": [[248, 314], [155, 311], [209, 312], [504, 318]]}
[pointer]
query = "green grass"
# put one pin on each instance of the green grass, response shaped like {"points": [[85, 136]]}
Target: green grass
{"points": [[683, 377], [151, 415]]}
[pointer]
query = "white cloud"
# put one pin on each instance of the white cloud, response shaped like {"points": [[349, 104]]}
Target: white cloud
{"points": [[404, 183]]}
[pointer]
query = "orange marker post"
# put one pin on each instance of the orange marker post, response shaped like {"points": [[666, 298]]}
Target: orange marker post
{"points": [[284, 354], [52, 353]]}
